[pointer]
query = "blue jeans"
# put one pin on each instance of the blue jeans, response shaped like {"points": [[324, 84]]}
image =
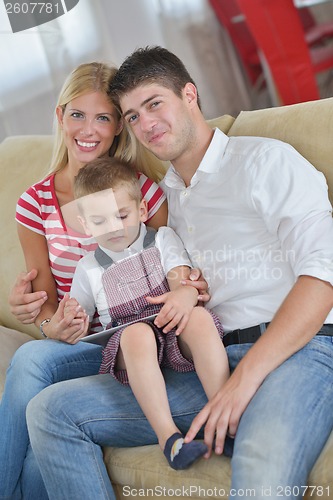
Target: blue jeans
{"points": [[34, 366], [280, 435], [286, 425]]}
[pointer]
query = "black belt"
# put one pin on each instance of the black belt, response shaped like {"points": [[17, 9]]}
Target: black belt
{"points": [[251, 334]]}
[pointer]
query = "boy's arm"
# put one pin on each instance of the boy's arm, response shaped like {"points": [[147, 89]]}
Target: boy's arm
{"points": [[81, 289], [173, 254]]}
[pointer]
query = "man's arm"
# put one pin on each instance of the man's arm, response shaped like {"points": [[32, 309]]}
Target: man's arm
{"points": [[299, 318]]}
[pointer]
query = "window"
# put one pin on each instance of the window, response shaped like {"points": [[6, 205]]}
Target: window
{"points": [[37, 59]]}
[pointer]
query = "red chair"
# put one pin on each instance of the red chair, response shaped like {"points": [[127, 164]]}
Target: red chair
{"points": [[315, 33], [279, 34], [232, 19]]}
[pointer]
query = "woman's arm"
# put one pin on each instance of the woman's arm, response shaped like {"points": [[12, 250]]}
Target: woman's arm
{"points": [[36, 256]]}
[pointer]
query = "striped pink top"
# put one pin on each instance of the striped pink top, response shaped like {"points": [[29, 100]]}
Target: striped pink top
{"points": [[38, 210]]}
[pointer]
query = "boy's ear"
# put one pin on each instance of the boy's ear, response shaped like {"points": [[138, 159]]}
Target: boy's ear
{"points": [[143, 208], [82, 221]]}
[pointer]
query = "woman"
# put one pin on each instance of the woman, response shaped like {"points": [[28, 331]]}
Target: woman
{"points": [[88, 126]]}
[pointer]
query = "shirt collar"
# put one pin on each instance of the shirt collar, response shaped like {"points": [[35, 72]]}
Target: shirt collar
{"points": [[136, 247], [210, 163]]}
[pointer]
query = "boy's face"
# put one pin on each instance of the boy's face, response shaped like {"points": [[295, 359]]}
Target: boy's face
{"points": [[113, 218], [161, 120]]}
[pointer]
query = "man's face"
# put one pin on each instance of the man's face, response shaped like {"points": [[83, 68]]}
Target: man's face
{"points": [[113, 218], [160, 119]]}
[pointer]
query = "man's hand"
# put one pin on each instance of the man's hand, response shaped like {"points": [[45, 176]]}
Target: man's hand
{"points": [[222, 413], [178, 305], [25, 305], [197, 281]]}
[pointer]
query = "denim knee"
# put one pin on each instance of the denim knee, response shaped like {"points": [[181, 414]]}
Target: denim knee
{"points": [[24, 350], [49, 361], [22, 359]]}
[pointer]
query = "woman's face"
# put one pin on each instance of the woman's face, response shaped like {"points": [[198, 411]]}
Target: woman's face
{"points": [[89, 124]]}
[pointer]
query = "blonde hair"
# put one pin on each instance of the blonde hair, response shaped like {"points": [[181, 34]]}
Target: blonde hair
{"points": [[96, 77], [106, 173]]}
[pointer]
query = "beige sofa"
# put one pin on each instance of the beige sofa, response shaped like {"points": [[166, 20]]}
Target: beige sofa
{"points": [[143, 471]]}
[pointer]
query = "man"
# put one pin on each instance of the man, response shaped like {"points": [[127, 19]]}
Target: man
{"points": [[254, 216]]}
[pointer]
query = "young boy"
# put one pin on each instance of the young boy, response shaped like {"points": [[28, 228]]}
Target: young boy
{"points": [[131, 274]]}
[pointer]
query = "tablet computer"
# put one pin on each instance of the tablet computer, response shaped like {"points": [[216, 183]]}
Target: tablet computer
{"points": [[102, 337]]}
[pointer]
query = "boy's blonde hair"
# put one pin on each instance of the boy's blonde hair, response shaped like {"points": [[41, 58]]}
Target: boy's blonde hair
{"points": [[107, 173]]}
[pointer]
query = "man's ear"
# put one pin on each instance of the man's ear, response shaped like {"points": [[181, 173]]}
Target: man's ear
{"points": [[83, 223], [60, 115], [143, 208], [190, 93]]}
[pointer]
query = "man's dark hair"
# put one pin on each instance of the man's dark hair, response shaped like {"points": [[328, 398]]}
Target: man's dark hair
{"points": [[150, 65]]}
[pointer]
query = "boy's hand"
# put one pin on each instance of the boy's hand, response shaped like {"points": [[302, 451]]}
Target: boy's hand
{"points": [[178, 305], [72, 307]]}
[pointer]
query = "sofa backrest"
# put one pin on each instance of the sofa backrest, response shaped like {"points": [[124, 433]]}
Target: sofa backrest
{"points": [[25, 159]]}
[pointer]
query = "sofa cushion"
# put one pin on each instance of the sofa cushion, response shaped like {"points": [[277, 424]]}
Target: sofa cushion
{"points": [[146, 466], [224, 123], [322, 473]]}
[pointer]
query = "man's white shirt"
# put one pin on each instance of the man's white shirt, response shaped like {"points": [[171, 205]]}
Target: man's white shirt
{"points": [[255, 217]]}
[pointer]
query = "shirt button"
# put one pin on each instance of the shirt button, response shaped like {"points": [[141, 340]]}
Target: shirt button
{"points": [[184, 193]]}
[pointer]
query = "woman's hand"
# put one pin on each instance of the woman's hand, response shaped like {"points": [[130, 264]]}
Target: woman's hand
{"points": [[70, 326], [197, 281], [25, 305]]}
